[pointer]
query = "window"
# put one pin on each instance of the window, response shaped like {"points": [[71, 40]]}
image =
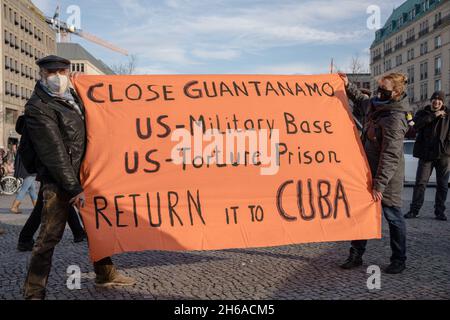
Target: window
{"points": [[410, 35], [7, 88], [437, 85], [424, 91], [410, 54], [387, 65], [437, 18], [411, 74], [388, 48], [424, 70], [398, 42], [423, 28], [6, 63], [437, 42], [437, 65], [410, 92], [424, 48], [10, 116], [398, 60]]}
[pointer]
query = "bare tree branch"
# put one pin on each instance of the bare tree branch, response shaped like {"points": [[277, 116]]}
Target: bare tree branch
{"points": [[126, 68]]}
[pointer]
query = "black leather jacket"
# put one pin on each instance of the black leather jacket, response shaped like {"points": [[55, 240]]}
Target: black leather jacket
{"points": [[58, 134]]}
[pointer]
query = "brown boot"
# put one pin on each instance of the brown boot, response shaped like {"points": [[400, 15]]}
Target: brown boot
{"points": [[15, 207], [34, 202], [118, 280], [108, 276], [2, 231]]}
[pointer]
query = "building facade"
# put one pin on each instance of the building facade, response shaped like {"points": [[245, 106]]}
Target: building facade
{"points": [[25, 37], [81, 60], [415, 41], [361, 80]]}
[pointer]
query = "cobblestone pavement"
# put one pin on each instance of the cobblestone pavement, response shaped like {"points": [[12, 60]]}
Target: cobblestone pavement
{"points": [[307, 271]]}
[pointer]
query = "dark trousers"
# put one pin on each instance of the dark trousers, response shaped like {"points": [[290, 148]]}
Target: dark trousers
{"points": [[55, 212], [34, 221], [424, 171], [397, 231]]}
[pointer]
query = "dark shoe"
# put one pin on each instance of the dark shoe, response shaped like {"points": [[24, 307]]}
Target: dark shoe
{"points": [[441, 217], [411, 215], [79, 238], [2, 231], [25, 246], [395, 267], [118, 280], [353, 261]]}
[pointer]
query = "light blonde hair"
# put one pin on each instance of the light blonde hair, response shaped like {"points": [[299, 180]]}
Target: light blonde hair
{"points": [[399, 81]]}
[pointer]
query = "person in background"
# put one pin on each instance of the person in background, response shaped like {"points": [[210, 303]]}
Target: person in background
{"points": [[5, 166], [54, 122], [432, 147], [385, 129], [28, 186]]}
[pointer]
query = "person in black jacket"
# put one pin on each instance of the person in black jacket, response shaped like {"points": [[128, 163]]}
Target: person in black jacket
{"points": [[54, 120], [26, 241], [385, 129], [432, 147]]}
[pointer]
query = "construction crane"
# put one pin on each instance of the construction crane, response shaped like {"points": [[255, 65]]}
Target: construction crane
{"points": [[64, 32]]}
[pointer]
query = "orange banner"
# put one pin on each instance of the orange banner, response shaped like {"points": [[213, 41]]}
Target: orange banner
{"points": [[206, 162]]}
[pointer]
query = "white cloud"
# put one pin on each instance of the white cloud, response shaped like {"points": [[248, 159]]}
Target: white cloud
{"points": [[177, 33], [133, 8], [154, 69], [290, 68], [226, 54]]}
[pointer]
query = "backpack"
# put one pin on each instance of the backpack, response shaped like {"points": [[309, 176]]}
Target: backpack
{"points": [[26, 150]]}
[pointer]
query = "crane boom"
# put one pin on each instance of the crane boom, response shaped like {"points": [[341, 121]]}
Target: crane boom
{"points": [[94, 39], [63, 29]]}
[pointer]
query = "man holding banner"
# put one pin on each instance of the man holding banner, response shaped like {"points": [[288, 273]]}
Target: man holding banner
{"points": [[54, 124], [383, 138]]}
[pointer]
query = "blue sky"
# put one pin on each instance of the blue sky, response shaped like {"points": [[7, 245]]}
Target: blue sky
{"points": [[229, 36]]}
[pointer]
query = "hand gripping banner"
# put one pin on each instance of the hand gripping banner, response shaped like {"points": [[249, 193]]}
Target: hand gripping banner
{"points": [[207, 162]]}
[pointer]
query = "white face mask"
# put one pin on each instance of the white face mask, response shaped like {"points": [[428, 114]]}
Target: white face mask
{"points": [[58, 83]]}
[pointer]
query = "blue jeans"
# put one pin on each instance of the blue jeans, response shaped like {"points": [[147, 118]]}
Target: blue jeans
{"points": [[28, 187], [397, 231]]}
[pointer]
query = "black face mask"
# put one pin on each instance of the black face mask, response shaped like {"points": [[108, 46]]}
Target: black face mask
{"points": [[384, 95]]}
